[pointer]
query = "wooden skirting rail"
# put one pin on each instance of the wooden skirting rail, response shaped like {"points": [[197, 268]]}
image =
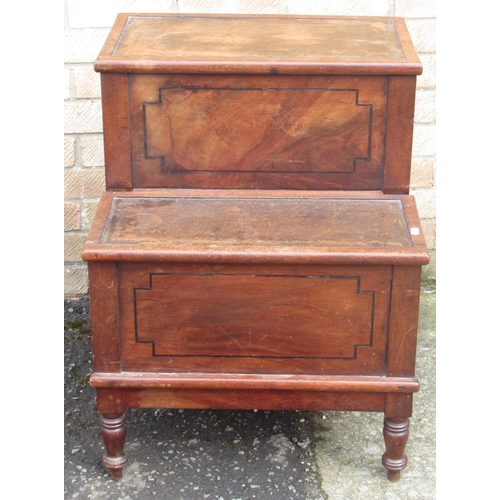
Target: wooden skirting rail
{"points": [[215, 381]]}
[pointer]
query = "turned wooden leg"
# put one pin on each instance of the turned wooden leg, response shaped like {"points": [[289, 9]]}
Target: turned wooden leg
{"points": [[396, 432], [113, 433]]}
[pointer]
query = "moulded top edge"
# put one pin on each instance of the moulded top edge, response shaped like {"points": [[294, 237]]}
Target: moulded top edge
{"points": [[231, 229], [166, 43]]}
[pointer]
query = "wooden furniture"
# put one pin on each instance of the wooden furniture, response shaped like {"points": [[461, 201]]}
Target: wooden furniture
{"points": [[256, 247]]}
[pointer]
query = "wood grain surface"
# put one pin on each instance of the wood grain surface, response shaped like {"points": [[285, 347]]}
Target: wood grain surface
{"points": [[256, 226], [258, 44], [247, 315], [254, 319], [290, 132]]}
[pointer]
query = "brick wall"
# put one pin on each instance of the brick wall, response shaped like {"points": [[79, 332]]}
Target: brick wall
{"points": [[87, 23]]}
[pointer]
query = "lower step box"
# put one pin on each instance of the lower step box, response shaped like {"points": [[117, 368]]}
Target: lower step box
{"points": [[254, 300]]}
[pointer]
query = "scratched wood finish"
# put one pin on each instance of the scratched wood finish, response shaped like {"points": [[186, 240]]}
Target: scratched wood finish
{"points": [[158, 43], [271, 222], [254, 316], [254, 319], [110, 401], [246, 225], [258, 132], [403, 331]]}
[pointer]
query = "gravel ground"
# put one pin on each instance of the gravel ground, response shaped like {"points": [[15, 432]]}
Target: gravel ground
{"points": [[182, 454]]}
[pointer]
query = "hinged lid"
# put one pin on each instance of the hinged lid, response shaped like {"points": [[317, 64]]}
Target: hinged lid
{"points": [[188, 43], [245, 226]]}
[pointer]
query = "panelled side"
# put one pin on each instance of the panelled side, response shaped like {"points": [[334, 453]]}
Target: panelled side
{"points": [[254, 319], [404, 321], [399, 134], [104, 316], [115, 114], [261, 132]]}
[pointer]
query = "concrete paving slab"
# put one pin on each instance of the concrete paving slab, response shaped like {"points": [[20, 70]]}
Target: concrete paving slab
{"points": [[349, 445]]}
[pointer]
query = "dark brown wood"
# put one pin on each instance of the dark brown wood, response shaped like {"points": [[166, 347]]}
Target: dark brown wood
{"points": [[115, 116], [255, 400], [231, 316], [111, 407], [113, 433], [396, 432], [399, 138], [256, 247], [398, 405], [250, 330], [217, 381], [104, 316], [403, 326]]}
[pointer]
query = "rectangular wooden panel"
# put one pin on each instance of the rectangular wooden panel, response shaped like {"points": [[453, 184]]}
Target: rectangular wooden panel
{"points": [[251, 400], [116, 128], [404, 321], [399, 135], [258, 132], [256, 226], [241, 319], [218, 37], [263, 130], [104, 316], [266, 316], [210, 223]]}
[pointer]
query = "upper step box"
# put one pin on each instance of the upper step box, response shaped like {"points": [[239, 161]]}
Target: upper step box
{"points": [[258, 102]]}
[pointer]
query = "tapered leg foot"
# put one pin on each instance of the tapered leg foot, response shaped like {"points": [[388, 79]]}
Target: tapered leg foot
{"points": [[396, 432], [113, 431]]}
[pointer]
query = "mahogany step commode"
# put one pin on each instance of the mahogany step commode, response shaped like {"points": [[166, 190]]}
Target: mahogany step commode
{"points": [[256, 247]]}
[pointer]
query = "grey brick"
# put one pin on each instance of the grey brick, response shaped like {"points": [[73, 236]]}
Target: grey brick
{"points": [[75, 281], [82, 116]]}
